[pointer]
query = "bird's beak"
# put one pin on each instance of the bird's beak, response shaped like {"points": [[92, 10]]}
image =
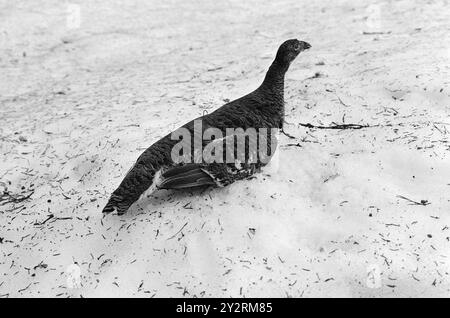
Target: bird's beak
{"points": [[306, 45]]}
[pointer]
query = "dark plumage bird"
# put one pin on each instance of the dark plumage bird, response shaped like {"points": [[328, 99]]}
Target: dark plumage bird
{"points": [[262, 108]]}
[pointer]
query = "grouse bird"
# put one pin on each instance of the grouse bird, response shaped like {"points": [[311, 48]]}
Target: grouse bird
{"points": [[156, 168]]}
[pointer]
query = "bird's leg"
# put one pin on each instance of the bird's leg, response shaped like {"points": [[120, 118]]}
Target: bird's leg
{"points": [[286, 134], [286, 122], [283, 121]]}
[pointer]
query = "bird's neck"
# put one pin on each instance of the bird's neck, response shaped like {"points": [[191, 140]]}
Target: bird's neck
{"points": [[274, 81]]}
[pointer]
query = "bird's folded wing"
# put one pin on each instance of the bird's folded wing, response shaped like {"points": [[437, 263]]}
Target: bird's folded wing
{"points": [[187, 176]]}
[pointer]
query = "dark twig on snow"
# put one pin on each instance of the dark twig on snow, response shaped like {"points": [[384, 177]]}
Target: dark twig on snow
{"points": [[337, 126], [341, 102], [24, 289], [10, 198], [51, 216], [422, 202], [316, 75], [178, 231], [375, 33], [292, 145]]}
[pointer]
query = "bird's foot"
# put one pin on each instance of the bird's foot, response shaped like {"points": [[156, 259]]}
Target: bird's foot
{"points": [[287, 135]]}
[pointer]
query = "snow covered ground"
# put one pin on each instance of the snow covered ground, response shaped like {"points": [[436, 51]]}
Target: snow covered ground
{"points": [[80, 99]]}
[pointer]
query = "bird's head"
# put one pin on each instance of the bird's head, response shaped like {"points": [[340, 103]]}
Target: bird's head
{"points": [[289, 50]]}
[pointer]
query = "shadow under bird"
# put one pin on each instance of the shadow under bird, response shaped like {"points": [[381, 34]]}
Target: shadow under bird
{"points": [[262, 108]]}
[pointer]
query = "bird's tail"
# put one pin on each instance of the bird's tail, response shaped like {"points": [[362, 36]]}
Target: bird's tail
{"points": [[137, 180], [115, 203], [109, 207]]}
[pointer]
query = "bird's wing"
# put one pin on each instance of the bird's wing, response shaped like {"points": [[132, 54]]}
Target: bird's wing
{"points": [[213, 173], [186, 176], [191, 174]]}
